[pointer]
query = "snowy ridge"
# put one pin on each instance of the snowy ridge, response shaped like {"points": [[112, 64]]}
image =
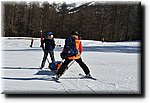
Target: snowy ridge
{"points": [[74, 6]]}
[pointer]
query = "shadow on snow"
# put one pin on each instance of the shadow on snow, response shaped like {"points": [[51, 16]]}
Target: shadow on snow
{"points": [[47, 75], [17, 68], [40, 72]]}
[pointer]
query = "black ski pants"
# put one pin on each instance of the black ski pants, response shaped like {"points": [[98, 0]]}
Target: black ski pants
{"points": [[64, 66], [46, 52]]}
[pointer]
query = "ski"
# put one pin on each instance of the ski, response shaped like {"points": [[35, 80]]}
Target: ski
{"points": [[86, 77]]}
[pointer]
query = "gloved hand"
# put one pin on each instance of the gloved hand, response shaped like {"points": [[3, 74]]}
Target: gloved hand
{"points": [[63, 55]]}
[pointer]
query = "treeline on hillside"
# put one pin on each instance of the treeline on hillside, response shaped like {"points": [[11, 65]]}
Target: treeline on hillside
{"points": [[99, 21]]}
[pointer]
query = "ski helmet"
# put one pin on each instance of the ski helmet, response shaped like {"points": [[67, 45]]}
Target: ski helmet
{"points": [[75, 33], [49, 33]]}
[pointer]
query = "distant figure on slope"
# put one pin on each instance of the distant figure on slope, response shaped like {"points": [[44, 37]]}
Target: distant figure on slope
{"points": [[31, 42], [103, 39], [48, 48], [72, 51], [41, 41]]}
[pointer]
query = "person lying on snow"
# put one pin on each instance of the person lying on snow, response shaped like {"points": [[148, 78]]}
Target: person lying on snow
{"points": [[72, 51]]}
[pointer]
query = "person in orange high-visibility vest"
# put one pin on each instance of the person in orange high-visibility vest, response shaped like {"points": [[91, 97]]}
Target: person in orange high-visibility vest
{"points": [[76, 57]]}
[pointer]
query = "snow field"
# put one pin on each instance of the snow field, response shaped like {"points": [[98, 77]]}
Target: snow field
{"points": [[116, 72]]}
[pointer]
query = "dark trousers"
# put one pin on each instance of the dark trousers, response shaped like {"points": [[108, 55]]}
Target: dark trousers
{"points": [[64, 66], [46, 52]]}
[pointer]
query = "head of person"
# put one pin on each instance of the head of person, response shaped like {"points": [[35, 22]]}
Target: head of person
{"points": [[75, 33], [50, 35]]}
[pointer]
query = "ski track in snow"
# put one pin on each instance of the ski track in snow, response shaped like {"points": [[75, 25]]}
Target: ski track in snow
{"points": [[115, 66]]}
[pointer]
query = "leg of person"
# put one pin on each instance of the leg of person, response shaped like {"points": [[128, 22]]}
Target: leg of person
{"points": [[44, 59], [83, 66], [52, 56], [63, 67]]}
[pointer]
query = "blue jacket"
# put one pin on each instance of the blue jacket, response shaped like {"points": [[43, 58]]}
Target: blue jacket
{"points": [[49, 44]]}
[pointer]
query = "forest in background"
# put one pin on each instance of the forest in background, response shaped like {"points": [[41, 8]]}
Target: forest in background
{"points": [[96, 21]]}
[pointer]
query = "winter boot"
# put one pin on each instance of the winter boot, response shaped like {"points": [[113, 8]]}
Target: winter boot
{"points": [[58, 76], [88, 76], [41, 67]]}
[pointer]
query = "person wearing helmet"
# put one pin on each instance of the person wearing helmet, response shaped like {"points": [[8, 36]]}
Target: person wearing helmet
{"points": [[76, 57], [48, 48]]}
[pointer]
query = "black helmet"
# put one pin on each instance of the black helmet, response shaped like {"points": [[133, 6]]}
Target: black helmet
{"points": [[75, 33]]}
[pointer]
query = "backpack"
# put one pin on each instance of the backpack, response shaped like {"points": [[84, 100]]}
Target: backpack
{"points": [[55, 65], [70, 47]]}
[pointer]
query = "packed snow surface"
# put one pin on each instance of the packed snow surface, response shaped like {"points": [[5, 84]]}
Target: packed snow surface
{"points": [[115, 65]]}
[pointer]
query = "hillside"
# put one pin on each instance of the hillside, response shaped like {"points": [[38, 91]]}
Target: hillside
{"points": [[108, 21]]}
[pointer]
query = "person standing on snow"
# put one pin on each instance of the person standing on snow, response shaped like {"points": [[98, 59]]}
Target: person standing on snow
{"points": [[31, 42], [48, 48], [76, 57]]}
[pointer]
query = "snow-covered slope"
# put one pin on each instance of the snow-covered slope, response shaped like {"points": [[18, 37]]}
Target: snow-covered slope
{"points": [[115, 65], [25, 42]]}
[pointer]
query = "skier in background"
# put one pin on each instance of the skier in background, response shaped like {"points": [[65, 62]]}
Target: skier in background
{"points": [[41, 41], [77, 58], [48, 48], [31, 42]]}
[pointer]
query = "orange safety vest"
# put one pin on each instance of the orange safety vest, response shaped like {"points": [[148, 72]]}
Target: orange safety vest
{"points": [[78, 47]]}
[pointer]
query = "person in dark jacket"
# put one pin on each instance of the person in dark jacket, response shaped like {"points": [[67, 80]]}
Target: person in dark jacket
{"points": [[31, 42], [48, 48]]}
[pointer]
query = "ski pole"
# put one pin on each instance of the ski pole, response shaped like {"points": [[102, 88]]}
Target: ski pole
{"points": [[71, 63], [47, 60]]}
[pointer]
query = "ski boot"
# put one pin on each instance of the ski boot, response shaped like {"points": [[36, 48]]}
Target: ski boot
{"points": [[88, 76]]}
